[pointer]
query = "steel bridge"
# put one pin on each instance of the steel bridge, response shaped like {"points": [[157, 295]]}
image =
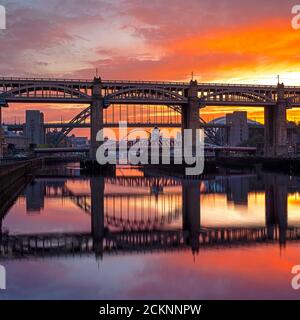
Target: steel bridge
{"points": [[132, 211], [142, 242], [115, 228], [42, 90], [187, 99]]}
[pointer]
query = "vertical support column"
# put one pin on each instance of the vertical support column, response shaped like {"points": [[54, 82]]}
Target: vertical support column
{"points": [[190, 112], [276, 206], [3, 104], [239, 131], [191, 212], [276, 126], [96, 116], [269, 131], [97, 213], [1, 135]]}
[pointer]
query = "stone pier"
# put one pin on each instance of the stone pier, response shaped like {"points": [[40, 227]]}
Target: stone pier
{"points": [[191, 221], [276, 206], [97, 213], [3, 104], [96, 117], [190, 112], [276, 126]]}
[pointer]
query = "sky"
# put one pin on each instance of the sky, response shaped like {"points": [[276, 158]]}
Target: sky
{"points": [[219, 41]]}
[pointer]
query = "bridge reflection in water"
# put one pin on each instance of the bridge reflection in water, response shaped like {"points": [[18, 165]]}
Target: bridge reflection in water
{"points": [[125, 222]]}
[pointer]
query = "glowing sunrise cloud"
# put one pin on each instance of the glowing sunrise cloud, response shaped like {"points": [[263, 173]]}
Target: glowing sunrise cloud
{"points": [[227, 41]]}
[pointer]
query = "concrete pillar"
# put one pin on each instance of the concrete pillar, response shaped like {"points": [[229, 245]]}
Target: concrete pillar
{"points": [[96, 116], [97, 213], [190, 112], [1, 135], [276, 196], [191, 216], [239, 131], [276, 127]]}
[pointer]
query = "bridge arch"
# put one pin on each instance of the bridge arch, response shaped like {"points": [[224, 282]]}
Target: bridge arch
{"points": [[143, 219], [294, 99], [143, 224], [155, 93], [52, 89], [251, 96], [79, 118], [85, 114]]}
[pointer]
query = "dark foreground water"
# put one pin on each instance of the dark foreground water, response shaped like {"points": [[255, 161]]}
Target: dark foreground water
{"points": [[136, 237]]}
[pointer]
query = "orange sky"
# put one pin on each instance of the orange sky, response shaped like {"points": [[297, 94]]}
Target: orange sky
{"points": [[226, 40]]}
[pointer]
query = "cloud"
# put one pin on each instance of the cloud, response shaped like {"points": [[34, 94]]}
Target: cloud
{"points": [[161, 21], [163, 40], [43, 29], [213, 56], [225, 40]]}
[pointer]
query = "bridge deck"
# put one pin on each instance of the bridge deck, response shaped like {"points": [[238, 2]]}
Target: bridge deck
{"points": [[43, 245], [17, 80], [143, 92]]}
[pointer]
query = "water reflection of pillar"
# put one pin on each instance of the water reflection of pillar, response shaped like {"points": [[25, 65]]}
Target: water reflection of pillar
{"points": [[238, 190], [97, 213], [276, 206], [191, 220]]}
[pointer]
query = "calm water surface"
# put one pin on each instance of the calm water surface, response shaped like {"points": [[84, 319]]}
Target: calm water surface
{"points": [[137, 237]]}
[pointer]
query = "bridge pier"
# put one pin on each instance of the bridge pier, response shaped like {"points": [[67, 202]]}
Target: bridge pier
{"points": [[97, 213], [191, 221], [2, 140], [96, 116], [190, 113], [276, 206], [276, 126]]}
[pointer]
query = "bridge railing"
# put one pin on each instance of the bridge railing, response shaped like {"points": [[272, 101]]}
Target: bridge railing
{"points": [[163, 83], [146, 82], [44, 79]]}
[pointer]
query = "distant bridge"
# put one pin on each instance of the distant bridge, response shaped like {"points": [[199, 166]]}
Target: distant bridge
{"points": [[138, 231], [249, 150], [67, 125]]}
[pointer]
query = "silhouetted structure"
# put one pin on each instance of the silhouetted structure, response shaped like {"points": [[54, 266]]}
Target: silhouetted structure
{"points": [[34, 127]]}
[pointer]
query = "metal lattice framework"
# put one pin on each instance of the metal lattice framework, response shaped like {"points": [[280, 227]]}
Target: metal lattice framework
{"points": [[42, 90], [118, 216], [172, 94], [55, 244], [79, 118], [86, 113], [141, 92], [147, 94], [144, 182]]}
